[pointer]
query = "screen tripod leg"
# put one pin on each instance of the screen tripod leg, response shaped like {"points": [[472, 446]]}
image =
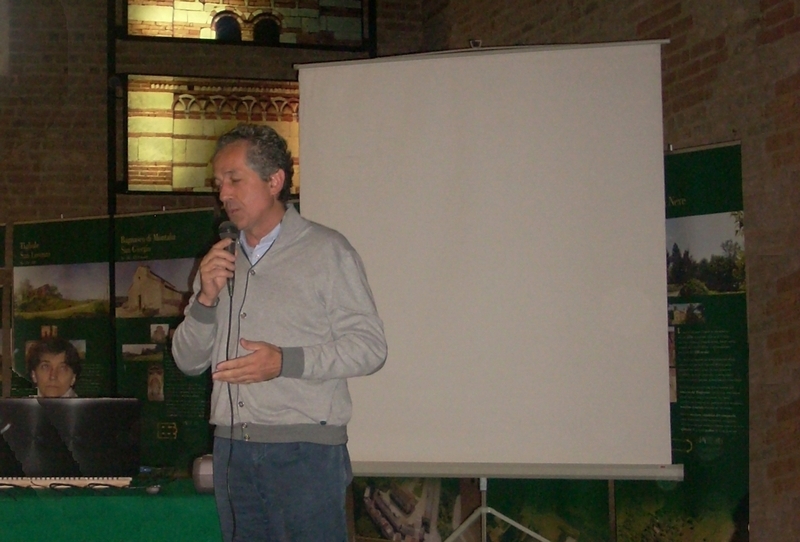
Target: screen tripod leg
{"points": [[482, 513]]}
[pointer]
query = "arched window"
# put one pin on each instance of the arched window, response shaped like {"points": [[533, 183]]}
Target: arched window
{"points": [[267, 31], [228, 29]]}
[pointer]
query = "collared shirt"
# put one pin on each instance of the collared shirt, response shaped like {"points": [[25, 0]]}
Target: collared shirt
{"points": [[69, 393], [255, 254]]}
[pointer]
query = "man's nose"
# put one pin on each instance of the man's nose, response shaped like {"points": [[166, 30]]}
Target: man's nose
{"points": [[224, 191], [53, 374]]}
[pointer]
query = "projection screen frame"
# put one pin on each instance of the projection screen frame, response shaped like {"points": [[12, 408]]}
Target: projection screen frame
{"points": [[503, 469]]}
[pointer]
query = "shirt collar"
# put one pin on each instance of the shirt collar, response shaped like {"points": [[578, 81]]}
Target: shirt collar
{"points": [[255, 254]]}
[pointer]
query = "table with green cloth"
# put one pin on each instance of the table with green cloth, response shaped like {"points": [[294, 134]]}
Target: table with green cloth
{"points": [[177, 513]]}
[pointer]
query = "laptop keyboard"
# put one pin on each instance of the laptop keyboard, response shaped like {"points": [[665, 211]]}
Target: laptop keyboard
{"points": [[64, 483]]}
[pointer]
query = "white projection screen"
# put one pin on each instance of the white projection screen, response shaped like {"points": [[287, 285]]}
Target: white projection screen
{"points": [[509, 207]]}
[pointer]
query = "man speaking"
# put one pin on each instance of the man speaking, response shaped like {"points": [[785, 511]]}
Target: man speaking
{"points": [[298, 320]]}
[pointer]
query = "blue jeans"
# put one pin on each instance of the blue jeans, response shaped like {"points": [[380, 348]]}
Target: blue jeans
{"points": [[293, 492]]}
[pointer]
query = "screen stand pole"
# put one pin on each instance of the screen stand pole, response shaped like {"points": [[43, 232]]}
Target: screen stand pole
{"points": [[482, 512]]}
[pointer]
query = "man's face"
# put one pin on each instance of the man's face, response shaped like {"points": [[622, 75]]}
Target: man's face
{"points": [[251, 203], [53, 376]]}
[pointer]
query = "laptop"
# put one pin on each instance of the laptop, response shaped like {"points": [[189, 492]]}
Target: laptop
{"points": [[69, 437]]}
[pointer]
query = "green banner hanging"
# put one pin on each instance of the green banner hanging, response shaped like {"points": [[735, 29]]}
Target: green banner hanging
{"points": [[155, 259], [708, 353], [61, 289]]}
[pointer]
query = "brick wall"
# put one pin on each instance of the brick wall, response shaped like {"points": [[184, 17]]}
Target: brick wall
{"points": [[52, 114], [399, 26], [731, 71]]}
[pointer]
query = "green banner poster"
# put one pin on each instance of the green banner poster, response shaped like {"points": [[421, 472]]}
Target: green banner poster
{"points": [[61, 288], [155, 259], [2, 302], [558, 510], [708, 360], [2, 335]]}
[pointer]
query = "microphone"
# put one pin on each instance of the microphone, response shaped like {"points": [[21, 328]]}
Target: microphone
{"points": [[4, 428], [228, 230]]}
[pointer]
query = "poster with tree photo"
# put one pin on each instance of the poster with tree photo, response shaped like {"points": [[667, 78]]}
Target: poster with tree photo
{"points": [[708, 358], [61, 290]]}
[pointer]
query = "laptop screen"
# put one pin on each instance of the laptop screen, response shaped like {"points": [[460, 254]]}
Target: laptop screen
{"points": [[73, 437]]}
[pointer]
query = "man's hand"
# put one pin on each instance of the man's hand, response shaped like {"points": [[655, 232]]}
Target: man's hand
{"points": [[262, 364], [215, 269]]}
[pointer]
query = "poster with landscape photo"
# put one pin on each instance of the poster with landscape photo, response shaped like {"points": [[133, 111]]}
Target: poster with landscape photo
{"points": [[61, 288], [705, 254]]}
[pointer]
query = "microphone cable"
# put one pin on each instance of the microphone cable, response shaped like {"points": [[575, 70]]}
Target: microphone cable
{"points": [[225, 232], [230, 403], [228, 230]]}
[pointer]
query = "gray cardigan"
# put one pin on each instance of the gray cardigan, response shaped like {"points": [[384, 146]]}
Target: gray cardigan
{"points": [[309, 295]]}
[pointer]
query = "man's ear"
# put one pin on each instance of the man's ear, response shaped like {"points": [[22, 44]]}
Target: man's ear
{"points": [[276, 181], [33, 377]]}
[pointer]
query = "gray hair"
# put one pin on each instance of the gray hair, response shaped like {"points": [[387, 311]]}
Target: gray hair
{"points": [[266, 154]]}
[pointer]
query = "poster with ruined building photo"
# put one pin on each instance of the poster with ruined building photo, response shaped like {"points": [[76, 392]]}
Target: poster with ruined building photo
{"points": [[142, 353], [155, 382], [680, 314], [412, 509], [157, 288], [159, 333]]}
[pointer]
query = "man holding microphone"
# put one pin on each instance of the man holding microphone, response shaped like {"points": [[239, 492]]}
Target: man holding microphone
{"points": [[298, 320]]}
